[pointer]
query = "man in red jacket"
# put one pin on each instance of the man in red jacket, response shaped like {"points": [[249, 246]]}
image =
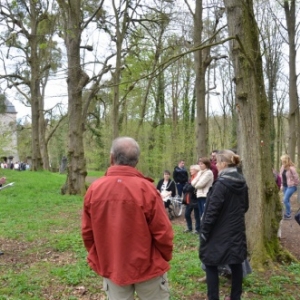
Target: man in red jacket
{"points": [[125, 229]]}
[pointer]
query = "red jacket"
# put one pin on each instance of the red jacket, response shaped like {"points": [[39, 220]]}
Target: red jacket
{"points": [[125, 228]]}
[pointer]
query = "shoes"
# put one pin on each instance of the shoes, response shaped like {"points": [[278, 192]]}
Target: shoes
{"points": [[187, 230], [196, 232], [1, 253], [287, 217]]}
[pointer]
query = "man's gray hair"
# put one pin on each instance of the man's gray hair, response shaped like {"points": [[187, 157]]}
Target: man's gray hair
{"points": [[125, 151]]}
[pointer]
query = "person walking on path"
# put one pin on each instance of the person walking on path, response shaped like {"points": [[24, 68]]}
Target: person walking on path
{"points": [[202, 182], [289, 182], [180, 176], [223, 232], [128, 235]]}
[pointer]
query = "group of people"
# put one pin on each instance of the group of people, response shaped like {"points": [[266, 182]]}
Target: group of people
{"points": [[129, 237], [19, 166], [193, 188], [132, 251]]}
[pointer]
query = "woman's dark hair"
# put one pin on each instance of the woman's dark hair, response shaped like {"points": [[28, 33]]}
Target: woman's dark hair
{"points": [[167, 172], [205, 161]]}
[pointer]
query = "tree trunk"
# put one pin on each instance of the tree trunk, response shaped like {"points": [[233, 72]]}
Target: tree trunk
{"points": [[37, 163], [77, 79], [121, 27], [290, 14], [42, 136], [262, 219], [201, 132]]}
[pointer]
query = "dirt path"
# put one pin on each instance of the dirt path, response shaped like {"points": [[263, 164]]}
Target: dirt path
{"points": [[290, 231]]}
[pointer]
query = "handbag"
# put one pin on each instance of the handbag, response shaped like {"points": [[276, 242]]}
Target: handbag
{"points": [[184, 199], [297, 216]]}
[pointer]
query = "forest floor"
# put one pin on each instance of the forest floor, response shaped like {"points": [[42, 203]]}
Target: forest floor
{"points": [[21, 260]]}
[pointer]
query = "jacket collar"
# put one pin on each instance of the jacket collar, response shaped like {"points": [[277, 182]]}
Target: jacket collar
{"points": [[119, 170]]}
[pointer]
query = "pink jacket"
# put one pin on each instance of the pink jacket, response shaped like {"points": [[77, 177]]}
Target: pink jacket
{"points": [[125, 228], [291, 176]]}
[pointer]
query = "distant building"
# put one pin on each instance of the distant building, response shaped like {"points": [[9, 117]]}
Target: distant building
{"points": [[8, 134]]}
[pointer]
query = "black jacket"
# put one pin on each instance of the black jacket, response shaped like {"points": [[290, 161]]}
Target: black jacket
{"points": [[222, 233], [189, 189], [180, 175], [170, 186]]}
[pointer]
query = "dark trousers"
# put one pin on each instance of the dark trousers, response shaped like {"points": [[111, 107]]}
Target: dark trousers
{"points": [[212, 279], [180, 188], [201, 203], [188, 212]]}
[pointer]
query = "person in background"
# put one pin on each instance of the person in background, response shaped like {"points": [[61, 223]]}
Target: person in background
{"points": [[167, 188], [202, 182], [128, 235], [180, 176], [223, 232], [289, 182], [277, 178], [213, 163], [191, 202]]}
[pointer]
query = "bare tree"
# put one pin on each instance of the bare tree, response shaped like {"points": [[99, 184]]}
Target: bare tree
{"points": [[271, 41], [290, 15], [262, 219], [74, 23], [203, 59], [30, 28]]}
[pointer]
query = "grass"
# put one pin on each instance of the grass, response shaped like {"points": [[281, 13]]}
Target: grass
{"points": [[45, 259]]}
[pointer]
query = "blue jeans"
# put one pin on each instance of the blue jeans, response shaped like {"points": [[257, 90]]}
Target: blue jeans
{"points": [[188, 212], [201, 204], [180, 188], [287, 193]]}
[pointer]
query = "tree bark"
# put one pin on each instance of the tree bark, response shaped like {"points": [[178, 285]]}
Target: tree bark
{"points": [[262, 219], [290, 14], [201, 131], [77, 79]]}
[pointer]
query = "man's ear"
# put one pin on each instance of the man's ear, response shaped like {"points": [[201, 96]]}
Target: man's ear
{"points": [[111, 160]]}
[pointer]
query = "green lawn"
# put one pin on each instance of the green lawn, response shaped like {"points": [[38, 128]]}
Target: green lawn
{"points": [[44, 257]]}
